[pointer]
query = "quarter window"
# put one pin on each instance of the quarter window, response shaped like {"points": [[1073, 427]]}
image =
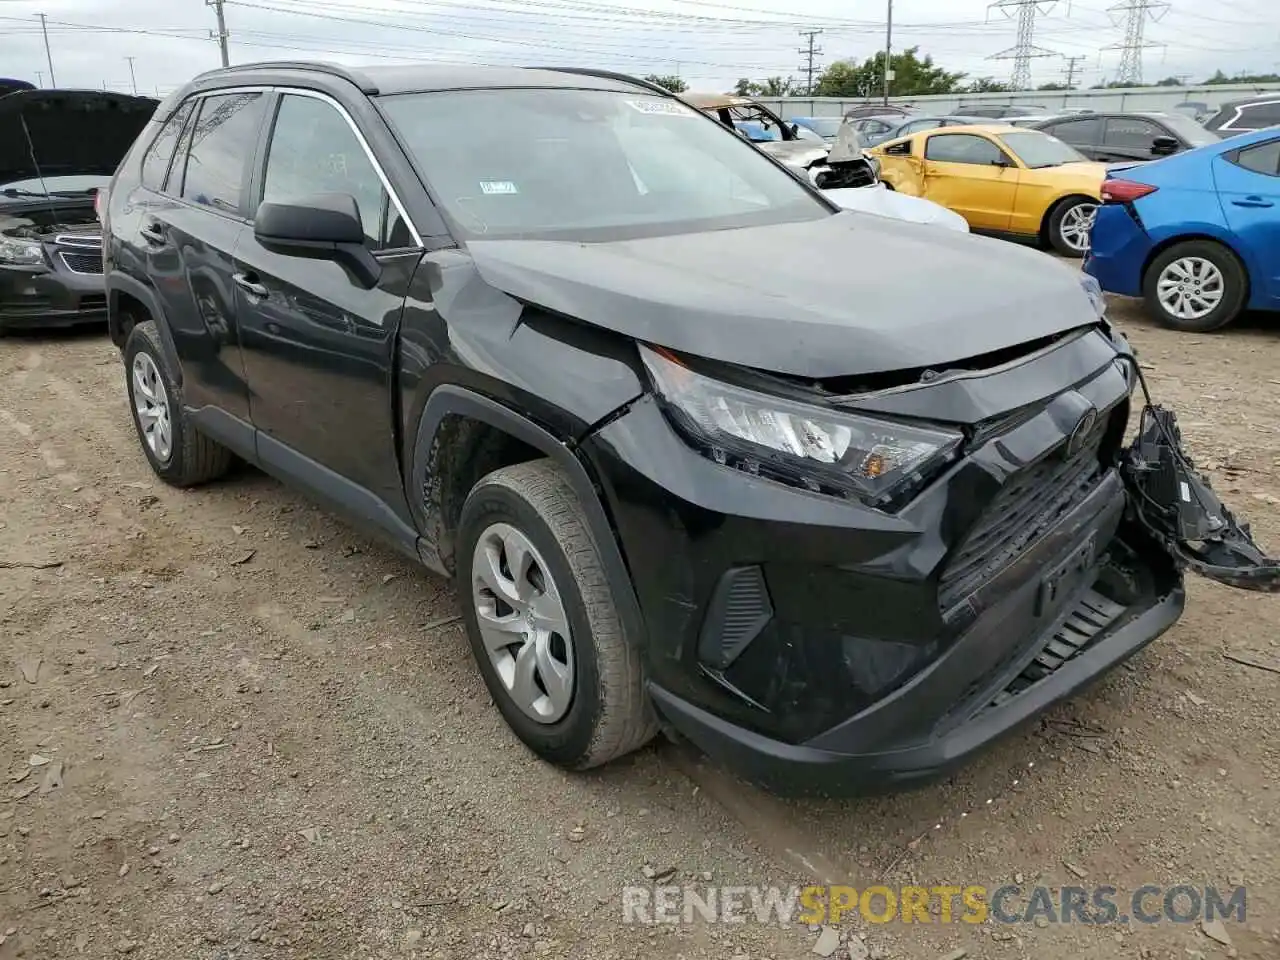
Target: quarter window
{"points": [[1262, 158], [962, 148], [313, 151], [1131, 133], [1078, 133], [222, 143], [155, 163], [1257, 116]]}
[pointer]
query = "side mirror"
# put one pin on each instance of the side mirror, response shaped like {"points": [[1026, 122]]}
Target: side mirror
{"points": [[321, 227], [1164, 146], [1001, 162]]}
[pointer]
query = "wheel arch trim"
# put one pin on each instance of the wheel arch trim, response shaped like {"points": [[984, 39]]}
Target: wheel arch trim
{"points": [[122, 283]]}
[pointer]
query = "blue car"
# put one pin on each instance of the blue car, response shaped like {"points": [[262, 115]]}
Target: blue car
{"points": [[1196, 235]]}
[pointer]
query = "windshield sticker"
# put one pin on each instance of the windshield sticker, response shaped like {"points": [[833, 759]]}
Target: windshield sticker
{"points": [[663, 108], [497, 187]]}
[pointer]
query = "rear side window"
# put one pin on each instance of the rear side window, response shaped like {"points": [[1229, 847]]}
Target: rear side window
{"points": [[222, 143], [1078, 133], [313, 150], [155, 162], [900, 149], [1257, 116], [1262, 158], [962, 148]]}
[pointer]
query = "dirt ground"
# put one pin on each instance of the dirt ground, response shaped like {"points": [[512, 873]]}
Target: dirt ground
{"points": [[234, 728]]}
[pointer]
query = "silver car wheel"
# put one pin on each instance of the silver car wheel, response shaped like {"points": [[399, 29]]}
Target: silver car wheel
{"points": [[523, 623], [1190, 288], [1077, 223], [151, 406]]}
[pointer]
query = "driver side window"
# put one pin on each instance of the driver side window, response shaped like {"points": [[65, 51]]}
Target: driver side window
{"points": [[314, 150], [963, 148]]}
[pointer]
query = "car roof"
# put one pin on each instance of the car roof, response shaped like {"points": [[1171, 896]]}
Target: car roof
{"points": [[423, 78], [716, 101]]}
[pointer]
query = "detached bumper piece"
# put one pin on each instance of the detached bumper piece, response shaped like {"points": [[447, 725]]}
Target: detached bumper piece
{"points": [[1179, 509]]}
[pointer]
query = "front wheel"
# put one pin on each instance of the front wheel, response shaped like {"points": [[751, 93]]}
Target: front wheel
{"points": [[543, 621], [1071, 224], [1195, 286]]}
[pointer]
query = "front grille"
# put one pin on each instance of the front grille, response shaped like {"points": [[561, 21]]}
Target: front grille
{"points": [[93, 301], [82, 262], [83, 241], [1029, 505]]}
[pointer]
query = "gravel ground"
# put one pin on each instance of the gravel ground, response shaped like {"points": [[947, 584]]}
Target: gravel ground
{"points": [[232, 727]]}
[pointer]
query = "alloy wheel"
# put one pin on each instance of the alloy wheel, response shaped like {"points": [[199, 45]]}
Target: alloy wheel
{"points": [[1190, 288], [523, 623], [1077, 223], [151, 405]]}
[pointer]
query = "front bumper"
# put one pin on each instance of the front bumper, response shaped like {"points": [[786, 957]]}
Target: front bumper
{"points": [[818, 645], [50, 298]]}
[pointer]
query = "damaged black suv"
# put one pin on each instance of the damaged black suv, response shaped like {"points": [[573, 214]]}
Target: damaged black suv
{"points": [[838, 498], [57, 149]]}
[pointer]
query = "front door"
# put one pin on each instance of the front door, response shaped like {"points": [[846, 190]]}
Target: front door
{"points": [[972, 176], [1248, 183], [1129, 138], [319, 348]]}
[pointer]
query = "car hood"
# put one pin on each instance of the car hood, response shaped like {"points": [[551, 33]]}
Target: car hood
{"points": [[889, 203], [72, 131], [847, 294], [1080, 171], [795, 153]]}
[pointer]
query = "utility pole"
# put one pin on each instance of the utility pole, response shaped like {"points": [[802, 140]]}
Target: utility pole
{"points": [[1136, 13], [39, 79], [1072, 69], [133, 78], [1024, 50], [221, 35], [47, 54], [810, 53], [888, 50]]}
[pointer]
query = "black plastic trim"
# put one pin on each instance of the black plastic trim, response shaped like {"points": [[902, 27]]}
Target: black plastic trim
{"points": [[120, 282], [740, 608]]}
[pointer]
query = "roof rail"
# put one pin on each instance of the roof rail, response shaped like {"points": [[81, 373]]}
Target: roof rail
{"points": [[611, 75], [367, 86]]}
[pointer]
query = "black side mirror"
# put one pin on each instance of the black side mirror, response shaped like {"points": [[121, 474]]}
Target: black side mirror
{"points": [[1164, 146], [321, 227]]}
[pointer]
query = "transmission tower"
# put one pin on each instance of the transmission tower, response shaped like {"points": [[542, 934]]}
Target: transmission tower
{"points": [[1136, 14], [1072, 69], [810, 53], [1025, 50]]}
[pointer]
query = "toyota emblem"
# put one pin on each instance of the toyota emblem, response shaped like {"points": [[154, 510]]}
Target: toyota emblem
{"points": [[1080, 434]]}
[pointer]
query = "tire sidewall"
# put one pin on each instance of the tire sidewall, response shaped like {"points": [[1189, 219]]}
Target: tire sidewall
{"points": [[1232, 274], [568, 739], [140, 342], [1055, 227]]}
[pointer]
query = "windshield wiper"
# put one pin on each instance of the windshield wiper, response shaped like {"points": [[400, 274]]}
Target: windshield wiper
{"points": [[36, 194]]}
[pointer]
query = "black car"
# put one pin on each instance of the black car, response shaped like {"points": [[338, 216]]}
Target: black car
{"points": [[57, 148], [1122, 137], [531, 327], [1243, 116]]}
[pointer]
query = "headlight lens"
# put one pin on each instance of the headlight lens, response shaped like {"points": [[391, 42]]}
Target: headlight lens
{"points": [[1093, 290], [826, 451], [20, 252]]}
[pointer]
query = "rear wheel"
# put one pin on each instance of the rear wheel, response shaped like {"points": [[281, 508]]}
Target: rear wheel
{"points": [[1070, 225], [1196, 286]]}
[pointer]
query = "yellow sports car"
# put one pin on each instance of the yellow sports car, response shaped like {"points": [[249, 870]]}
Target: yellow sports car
{"points": [[1002, 179]]}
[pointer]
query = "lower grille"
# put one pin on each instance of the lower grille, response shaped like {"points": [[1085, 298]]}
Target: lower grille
{"points": [[1028, 506], [82, 262], [93, 301]]}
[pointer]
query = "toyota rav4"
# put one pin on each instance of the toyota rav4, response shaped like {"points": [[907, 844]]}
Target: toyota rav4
{"points": [[838, 498]]}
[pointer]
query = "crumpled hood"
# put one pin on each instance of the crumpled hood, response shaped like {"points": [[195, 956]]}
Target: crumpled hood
{"points": [[73, 131], [883, 202], [843, 295], [800, 154]]}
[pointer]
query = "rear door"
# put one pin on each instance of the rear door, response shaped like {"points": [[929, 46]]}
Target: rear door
{"points": [[191, 233], [1248, 182], [1128, 138], [1083, 133], [972, 176], [320, 348]]}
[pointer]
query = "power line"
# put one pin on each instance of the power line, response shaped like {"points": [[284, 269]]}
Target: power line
{"points": [[1024, 49], [810, 52], [222, 35], [1136, 12]]}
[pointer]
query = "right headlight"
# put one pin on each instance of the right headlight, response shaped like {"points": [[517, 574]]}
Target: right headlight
{"points": [[817, 448], [22, 253]]}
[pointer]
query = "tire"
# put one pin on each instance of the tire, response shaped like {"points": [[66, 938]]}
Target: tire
{"points": [[608, 713], [189, 458], [1064, 226], [1234, 285]]}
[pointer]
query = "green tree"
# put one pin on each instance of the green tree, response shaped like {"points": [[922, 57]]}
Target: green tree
{"points": [[987, 85], [1169, 82], [914, 76], [670, 82], [1220, 77], [1053, 86]]}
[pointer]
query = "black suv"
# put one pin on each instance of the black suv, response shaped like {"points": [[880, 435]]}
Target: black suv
{"points": [[1121, 137], [838, 498]]}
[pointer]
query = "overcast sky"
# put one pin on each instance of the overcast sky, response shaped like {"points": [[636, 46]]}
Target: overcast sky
{"points": [[709, 43]]}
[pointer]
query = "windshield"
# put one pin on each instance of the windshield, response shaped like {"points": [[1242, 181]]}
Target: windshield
{"points": [[1036, 149], [1188, 129], [823, 126], [588, 165], [76, 183]]}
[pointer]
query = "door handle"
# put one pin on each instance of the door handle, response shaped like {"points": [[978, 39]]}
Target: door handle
{"points": [[248, 285], [152, 233], [1252, 202]]}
